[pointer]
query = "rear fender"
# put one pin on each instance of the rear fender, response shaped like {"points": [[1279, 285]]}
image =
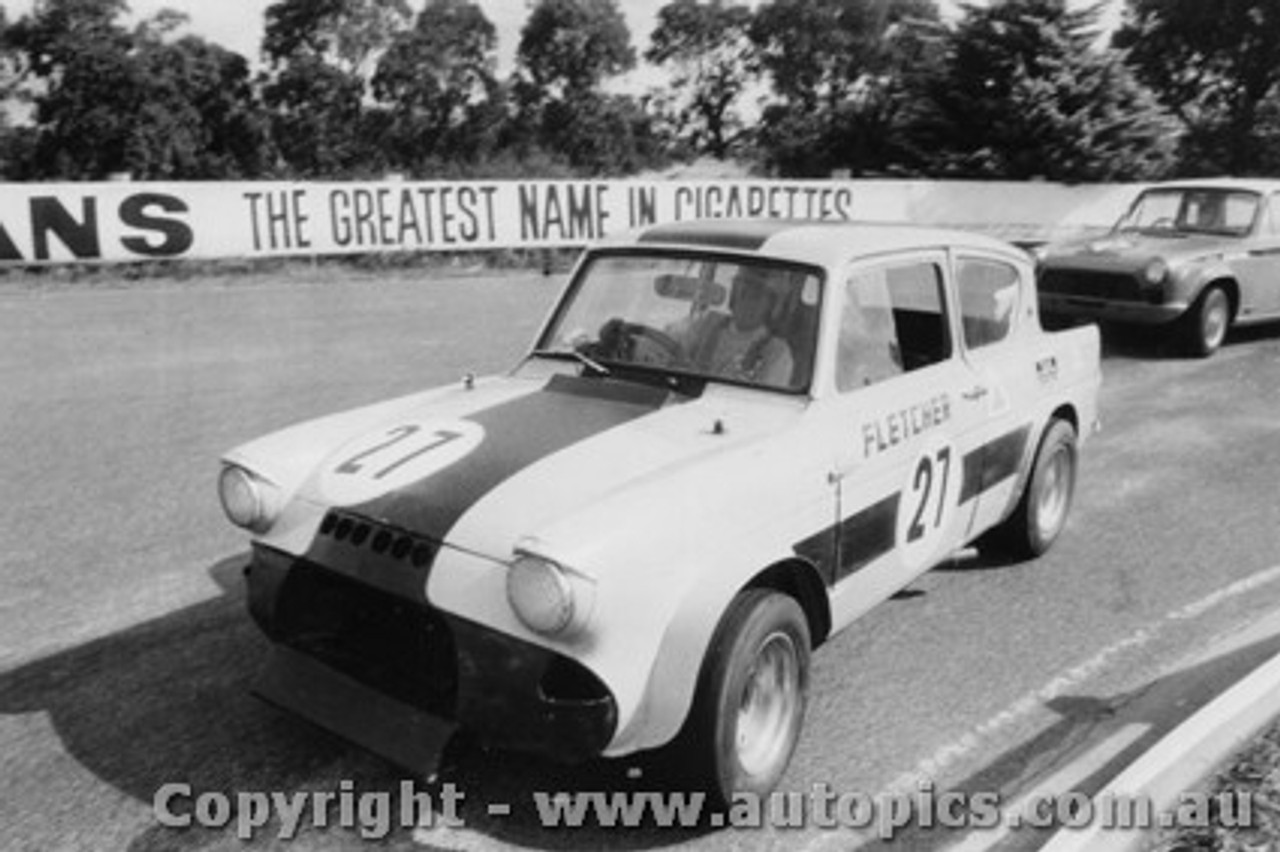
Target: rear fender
{"points": [[1076, 358]]}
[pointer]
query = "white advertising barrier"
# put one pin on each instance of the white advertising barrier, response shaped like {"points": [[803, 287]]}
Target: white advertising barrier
{"points": [[122, 221], [1016, 210]]}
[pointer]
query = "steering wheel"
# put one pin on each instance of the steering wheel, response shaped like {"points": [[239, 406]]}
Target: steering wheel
{"points": [[670, 347], [619, 338]]}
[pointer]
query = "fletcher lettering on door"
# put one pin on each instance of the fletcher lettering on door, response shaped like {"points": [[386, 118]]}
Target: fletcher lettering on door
{"points": [[898, 427]]}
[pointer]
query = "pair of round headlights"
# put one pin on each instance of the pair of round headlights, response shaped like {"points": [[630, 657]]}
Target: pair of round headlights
{"points": [[547, 598]]}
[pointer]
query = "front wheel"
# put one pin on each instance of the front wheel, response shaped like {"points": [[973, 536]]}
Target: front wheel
{"points": [[1042, 511], [1205, 324], [750, 703]]}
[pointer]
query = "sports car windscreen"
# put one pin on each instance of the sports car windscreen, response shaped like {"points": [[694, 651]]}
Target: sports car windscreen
{"points": [[729, 320], [1205, 211]]}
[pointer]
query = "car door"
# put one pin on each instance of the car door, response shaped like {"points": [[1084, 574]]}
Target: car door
{"points": [[993, 296], [1258, 270], [901, 396]]}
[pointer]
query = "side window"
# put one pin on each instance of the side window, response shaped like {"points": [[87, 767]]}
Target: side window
{"points": [[988, 291], [1238, 211], [1271, 224], [893, 322]]}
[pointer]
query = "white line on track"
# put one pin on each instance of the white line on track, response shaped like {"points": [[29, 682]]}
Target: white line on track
{"points": [[949, 754], [1056, 785]]}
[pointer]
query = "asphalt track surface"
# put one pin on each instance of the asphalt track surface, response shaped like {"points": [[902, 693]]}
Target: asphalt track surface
{"points": [[126, 654]]}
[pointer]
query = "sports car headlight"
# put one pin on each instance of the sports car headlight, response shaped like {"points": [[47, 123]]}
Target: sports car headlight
{"points": [[1156, 271], [545, 596], [248, 500]]}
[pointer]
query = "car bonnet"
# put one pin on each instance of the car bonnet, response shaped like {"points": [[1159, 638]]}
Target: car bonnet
{"points": [[1134, 249], [482, 480]]}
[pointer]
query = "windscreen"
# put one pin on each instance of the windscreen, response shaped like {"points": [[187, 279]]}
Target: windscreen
{"points": [[1205, 211], [730, 319]]}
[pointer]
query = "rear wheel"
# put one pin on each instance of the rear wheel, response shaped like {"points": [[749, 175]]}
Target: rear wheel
{"points": [[1042, 511], [750, 703], [1205, 324]]}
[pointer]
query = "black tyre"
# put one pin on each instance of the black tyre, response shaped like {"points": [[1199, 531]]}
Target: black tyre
{"points": [[750, 704], [1042, 510], [1205, 324]]}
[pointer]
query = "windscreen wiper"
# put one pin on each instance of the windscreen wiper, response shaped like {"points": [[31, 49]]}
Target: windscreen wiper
{"points": [[574, 355]]}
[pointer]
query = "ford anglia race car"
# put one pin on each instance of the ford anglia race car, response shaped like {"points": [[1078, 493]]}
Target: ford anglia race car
{"points": [[1195, 257], [729, 440]]}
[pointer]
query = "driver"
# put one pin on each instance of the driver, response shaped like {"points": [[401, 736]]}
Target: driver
{"points": [[741, 345]]}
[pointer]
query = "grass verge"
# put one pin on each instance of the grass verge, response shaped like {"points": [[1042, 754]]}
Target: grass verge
{"points": [[1254, 771]]}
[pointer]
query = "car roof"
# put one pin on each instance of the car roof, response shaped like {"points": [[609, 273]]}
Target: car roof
{"points": [[1253, 184], [812, 242]]}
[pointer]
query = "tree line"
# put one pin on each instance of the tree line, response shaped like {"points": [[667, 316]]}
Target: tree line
{"points": [[1013, 89]]}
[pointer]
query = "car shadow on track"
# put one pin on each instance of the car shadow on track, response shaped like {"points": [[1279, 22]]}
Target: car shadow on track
{"points": [[168, 701], [980, 556], [1147, 343], [1065, 748]]}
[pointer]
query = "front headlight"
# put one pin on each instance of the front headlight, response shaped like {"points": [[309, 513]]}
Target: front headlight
{"points": [[545, 596], [1156, 271], [248, 501]]}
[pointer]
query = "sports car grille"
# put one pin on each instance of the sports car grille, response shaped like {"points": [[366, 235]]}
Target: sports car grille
{"points": [[1093, 285], [379, 539]]}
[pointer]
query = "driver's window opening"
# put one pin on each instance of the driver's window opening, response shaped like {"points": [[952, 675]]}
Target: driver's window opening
{"points": [[739, 321], [893, 322]]}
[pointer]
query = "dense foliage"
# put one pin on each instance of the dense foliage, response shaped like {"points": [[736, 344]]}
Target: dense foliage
{"points": [[1018, 89]]}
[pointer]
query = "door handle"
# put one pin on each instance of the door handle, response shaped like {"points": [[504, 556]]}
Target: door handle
{"points": [[975, 393]]}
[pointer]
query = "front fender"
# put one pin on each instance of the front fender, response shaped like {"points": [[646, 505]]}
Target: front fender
{"points": [[673, 680], [1187, 286], [631, 613], [657, 600], [289, 455]]}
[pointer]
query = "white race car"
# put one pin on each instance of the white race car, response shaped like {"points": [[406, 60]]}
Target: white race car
{"points": [[729, 440]]}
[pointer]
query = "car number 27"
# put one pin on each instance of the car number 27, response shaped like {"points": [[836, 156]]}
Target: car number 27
{"points": [[928, 501], [392, 457], [387, 453]]}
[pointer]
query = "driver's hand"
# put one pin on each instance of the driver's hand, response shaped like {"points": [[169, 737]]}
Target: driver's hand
{"points": [[613, 336], [578, 340]]}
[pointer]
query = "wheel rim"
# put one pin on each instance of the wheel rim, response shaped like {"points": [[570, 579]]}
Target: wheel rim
{"points": [[1214, 325], [770, 704], [1055, 493]]}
